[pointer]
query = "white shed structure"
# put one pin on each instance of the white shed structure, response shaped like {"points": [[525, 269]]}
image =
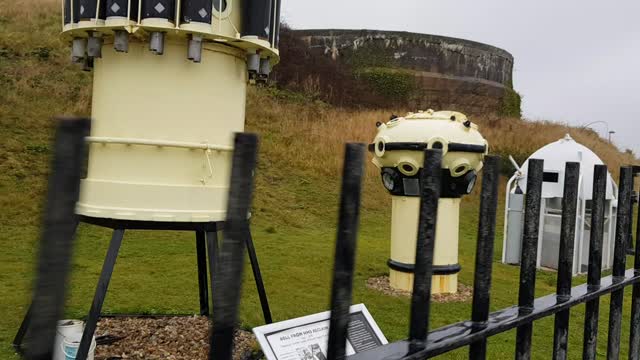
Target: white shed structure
{"points": [[555, 156]]}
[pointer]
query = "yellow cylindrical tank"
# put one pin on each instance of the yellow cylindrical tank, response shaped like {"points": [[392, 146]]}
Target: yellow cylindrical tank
{"points": [[399, 153], [169, 91], [162, 134]]}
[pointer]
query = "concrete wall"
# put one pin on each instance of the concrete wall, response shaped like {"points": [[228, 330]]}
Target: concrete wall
{"points": [[449, 73]]}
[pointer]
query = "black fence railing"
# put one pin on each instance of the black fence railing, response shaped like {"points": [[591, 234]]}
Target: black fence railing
{"points": [[59, 227]]}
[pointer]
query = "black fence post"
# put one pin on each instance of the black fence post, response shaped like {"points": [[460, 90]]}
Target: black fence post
{"points": [[484, 252], [565, 256], [595, 261], [345, 254], [423, 271], [526, 292], [634, 337], [59, 224], [623, 220], [228, 271]]}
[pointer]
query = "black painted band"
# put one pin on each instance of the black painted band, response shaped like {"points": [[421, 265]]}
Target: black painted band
{"points": [[437, 269], [418, 146]]}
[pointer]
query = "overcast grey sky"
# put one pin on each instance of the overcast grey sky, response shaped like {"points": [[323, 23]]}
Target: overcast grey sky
{"points": [[576, 61]]}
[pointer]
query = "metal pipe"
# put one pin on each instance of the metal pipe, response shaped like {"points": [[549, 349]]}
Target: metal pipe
{"points": [[345, 252], [484, 252], [423, 271], [506, 214], [159, 143], [565, 256]]}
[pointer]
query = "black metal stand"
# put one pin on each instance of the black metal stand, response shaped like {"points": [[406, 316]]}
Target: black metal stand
{"points": [[206, 252]]}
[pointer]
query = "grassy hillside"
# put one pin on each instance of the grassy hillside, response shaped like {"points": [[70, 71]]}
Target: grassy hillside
{"points": [[294, 209]]}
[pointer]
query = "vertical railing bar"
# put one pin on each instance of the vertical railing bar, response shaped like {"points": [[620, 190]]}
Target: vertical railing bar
{"points": [[345, 252], [619, 261], [59, 225], [228, 272], [634, 336], [484, 252], [592, 311], [421, 297], [565, 256], [526, 292]]}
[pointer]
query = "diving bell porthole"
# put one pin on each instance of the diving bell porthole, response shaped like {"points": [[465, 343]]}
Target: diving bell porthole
{"points": [[470, 179], [220, 9], [408, 168], [389, 179], [459, 170], [439, 144], [380, 148]]}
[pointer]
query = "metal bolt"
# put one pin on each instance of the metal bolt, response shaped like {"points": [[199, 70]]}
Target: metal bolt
{"points": [[121, 41], [194, 52], [156, 43]]}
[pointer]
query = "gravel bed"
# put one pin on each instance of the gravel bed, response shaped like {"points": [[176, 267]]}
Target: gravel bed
{"points": [[171, 338], [381, 284]]}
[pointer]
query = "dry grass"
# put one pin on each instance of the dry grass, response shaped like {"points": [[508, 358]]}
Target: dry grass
{"points": [[314, 134]]}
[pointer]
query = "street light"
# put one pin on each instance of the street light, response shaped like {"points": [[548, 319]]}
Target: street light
{"points": [[606, 124]]}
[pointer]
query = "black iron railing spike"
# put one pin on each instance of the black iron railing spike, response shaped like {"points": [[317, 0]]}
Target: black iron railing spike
{"points": [[484, 251], [526, 293], [349, 217], [592, 311], [58, 231], [623, 219], [421, 297], [230, 262], [565, 256]]}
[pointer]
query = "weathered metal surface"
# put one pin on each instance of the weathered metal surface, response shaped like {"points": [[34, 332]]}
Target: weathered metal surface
{"points": [[345, 253], [565, 256], [526, 293], [230, 262], [421, 297], [623, 232], [484, 252]]}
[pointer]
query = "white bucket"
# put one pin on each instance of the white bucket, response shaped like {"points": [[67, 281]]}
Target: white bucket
{"points": [[68, 340], [65, 328]]}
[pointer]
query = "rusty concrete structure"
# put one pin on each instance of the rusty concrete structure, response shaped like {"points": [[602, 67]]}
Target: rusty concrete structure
{"points": [[448, 72]]}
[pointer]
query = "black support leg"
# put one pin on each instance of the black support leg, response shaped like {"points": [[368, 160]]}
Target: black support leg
{"points": [[257, 275], [101, 292], [22, 331], [203, 287], [212, 249]]}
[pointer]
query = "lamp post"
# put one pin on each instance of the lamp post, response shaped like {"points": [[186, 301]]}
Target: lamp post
{"points": [[606, 124]]}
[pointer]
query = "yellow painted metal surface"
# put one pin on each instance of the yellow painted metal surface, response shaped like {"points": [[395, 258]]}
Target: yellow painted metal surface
{"points": [[436, 130], [429, 127], [404, 233], [160, 100]]}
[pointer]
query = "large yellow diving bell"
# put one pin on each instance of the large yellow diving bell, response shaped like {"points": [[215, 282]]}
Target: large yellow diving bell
{"points": [[169, 91], [399, 153]]}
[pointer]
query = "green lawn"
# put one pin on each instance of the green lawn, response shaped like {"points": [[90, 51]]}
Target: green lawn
{"points": [[156, 273]]}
